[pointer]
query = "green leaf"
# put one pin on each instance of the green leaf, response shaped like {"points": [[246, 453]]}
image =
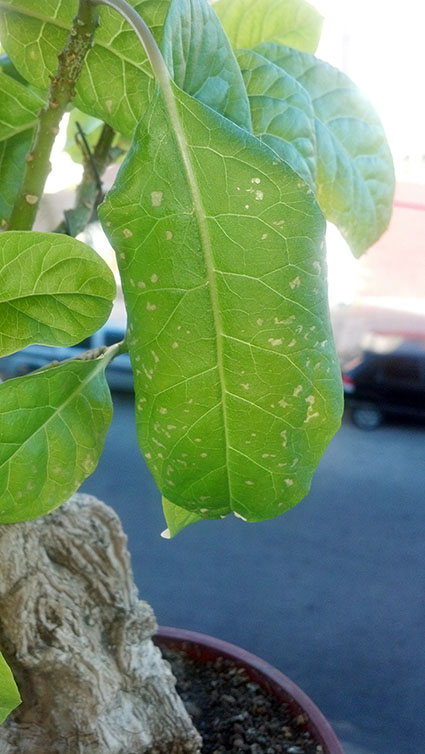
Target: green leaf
{"points": [[282, 113], [54, 290], [295, 23], [223, 267], [177, 519], [52, 430], [9, 694], [18, 117], [201, 61], [115, 83], [355, 174]]}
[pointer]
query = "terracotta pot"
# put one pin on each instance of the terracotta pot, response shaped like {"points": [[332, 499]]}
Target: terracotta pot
{"points": [[203, 647]]}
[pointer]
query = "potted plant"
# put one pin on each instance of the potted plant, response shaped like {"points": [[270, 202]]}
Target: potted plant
{"points": [[242, 143]]}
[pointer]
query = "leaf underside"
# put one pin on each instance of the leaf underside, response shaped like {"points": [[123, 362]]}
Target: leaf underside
{"points": [[354, 168], [223, 269], [54, 290], [52, 430], [9, 694], [116, 81], [177, 519]]}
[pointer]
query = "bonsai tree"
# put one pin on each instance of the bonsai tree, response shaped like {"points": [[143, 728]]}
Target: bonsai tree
{"points": [[242, 143]]}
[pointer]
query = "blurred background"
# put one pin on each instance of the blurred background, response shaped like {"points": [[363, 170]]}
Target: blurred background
{"points": [[332, 593]]}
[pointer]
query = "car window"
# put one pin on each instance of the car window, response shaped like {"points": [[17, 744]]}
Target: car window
{"points": [[402, 370]]}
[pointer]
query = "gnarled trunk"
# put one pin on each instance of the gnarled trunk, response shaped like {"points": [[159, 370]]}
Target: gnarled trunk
{"points": [[79, 642]]}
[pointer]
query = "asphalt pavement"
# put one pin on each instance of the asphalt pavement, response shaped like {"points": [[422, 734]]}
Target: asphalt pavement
{"points": [[332, 592]]}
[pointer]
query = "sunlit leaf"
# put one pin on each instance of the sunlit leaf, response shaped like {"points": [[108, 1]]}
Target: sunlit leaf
{"points": [[201, 61], [223, 267], [282, 113], [355, 174], [9, 694], [116, 79], [176, 518], [52, 430], [295, 23], [54, 290]]}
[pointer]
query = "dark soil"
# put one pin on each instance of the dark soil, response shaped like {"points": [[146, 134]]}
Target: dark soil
{"points": [[233, 714]]}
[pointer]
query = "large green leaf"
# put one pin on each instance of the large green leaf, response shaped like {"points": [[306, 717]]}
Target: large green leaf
{"points": [[115, 81], [223, 267], [291, 22], [54, 290], [201, 61], [18, 117], [52, 430], [282, 113], [355, 175], [9, 694]]}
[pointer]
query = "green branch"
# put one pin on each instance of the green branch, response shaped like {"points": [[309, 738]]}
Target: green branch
{"points": [[61, 92]]}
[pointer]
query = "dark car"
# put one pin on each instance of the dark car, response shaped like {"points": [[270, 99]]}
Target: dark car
{"points": [[388, 378], [118, 373]]}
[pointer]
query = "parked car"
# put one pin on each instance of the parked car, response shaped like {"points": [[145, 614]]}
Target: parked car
{"points": [[388, 378], [118, 373]]}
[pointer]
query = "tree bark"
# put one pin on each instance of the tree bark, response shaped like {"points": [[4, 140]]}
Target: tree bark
{"points": [[78, 640]]}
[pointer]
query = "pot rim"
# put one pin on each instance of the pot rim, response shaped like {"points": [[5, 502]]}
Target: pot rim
{"points": [[267, 675]]}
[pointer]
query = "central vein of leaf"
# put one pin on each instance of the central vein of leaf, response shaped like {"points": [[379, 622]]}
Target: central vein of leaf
{"points": [[200, 215]]}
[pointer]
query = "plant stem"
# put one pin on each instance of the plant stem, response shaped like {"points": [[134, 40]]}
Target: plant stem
{"points": [[61, 92], [89, 192]]}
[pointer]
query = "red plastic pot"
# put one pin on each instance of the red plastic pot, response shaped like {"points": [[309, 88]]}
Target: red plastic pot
{"points": [[205, 648]]}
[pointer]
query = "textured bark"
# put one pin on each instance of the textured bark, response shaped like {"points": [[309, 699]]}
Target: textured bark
{"points": [[79, 642]]}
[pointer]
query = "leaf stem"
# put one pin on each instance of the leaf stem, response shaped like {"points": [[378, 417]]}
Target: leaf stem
{"points": [[61, 92]]}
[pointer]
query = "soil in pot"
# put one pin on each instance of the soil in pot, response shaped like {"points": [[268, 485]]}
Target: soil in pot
{"points": [[233, 714]]}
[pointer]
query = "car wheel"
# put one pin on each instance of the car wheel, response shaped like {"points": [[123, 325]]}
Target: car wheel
{"points": [[367, 416]]}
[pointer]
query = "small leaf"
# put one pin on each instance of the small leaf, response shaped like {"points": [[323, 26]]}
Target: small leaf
{"points": [[176, 518], [238, 388], [91, 127], [355, 174], [54, 290], [201, 60], [282, 113], [52, 431], [9, 694], [295, 23], [18, 118]]}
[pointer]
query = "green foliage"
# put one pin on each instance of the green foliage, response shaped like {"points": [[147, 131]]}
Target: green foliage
{"points": [[18, 117], [52, 427], [295, 23], [9, 694], [354, 169], [220, 242], [230, 342], [54, 290]]}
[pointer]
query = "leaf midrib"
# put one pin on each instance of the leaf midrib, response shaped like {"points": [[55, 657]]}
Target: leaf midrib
{"points": [[201, 218]]}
